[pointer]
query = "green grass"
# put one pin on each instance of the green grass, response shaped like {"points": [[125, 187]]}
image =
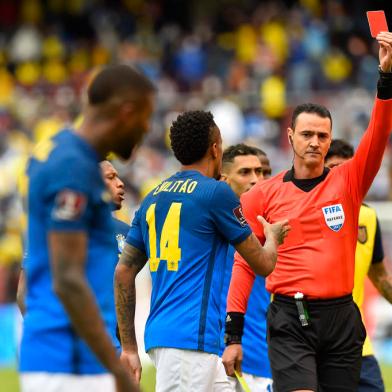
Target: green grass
{"points": [[148, 378], [387, 375], [9, 379]]}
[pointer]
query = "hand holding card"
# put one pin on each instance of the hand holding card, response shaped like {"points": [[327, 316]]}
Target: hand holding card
{"points": [[377, 22]]}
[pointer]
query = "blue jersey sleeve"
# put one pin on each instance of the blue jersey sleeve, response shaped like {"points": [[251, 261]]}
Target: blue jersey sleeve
{"points": [[71, 194], [135, 235], [227, 214]]}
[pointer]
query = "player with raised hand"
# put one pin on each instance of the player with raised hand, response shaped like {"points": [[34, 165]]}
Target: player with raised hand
{"points": [[71, 245], [184, 227]]}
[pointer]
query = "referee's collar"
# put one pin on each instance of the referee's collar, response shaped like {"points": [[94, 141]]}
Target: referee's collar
{"points": [[305, 184]]}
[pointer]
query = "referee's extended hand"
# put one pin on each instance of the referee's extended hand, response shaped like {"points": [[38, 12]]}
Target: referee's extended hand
{"points": [[278, 230], [385, 53], [232, 359]]}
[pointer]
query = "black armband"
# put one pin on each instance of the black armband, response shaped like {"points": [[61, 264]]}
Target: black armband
{"points": [[234, 328], [384, 85]]}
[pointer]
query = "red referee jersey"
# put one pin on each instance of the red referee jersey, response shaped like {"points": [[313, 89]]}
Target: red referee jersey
{"points": [[317, 257]]}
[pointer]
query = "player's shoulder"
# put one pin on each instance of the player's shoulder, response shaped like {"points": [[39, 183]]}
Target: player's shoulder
{"points": [[120, 227], [366, 212]]}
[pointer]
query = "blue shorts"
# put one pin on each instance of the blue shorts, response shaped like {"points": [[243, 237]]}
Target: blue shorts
{"points": [[371, 379]]}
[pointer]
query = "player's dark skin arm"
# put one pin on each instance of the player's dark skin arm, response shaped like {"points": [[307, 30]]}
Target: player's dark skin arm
{"points": [[262, 259], [381, 279], [21, 292], [68, 256], [131, 262]]}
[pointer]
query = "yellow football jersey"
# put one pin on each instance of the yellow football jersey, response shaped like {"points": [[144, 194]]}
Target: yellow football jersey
{"points": [[363, 258]]}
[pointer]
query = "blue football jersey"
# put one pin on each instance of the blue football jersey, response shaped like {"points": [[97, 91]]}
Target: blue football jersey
{"points": [[66, 193], [254, 340], [121, 230], [185, 226]]}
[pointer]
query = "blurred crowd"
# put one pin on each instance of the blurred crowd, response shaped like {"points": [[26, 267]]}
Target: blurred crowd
{"points": [[248, 61]]}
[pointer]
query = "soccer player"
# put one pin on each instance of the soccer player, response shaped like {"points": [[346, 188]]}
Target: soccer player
{"points": [[184, 227], [242, 167], [369, 261], [116, 188], [70, 242], [265, 164], [314, 329]]}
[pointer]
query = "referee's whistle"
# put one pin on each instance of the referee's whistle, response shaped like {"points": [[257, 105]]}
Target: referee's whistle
{"points": [[301, 308]]}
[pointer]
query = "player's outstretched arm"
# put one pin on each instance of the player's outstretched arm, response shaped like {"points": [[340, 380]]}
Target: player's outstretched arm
{"points": [[68, 257], [131, 262], [382, 280], [262, 259]]}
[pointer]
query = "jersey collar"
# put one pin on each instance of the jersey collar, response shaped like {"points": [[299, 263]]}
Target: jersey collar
{"points": [[306, 184]]}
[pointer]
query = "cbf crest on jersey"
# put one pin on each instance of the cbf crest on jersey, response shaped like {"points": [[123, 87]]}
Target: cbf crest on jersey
{"points": [[120, 242], [334, 216]]}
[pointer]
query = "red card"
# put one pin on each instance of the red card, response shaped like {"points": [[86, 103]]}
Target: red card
{"points": [[377, 22]]}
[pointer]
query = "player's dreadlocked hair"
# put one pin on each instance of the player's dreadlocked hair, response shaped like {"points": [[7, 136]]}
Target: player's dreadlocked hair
{"points": [[240, 150], [191, 135]]}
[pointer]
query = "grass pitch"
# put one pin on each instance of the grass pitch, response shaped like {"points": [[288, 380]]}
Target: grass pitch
{"points": [[9, 379]]}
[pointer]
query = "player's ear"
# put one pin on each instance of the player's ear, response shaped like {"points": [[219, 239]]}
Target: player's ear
{"points": [[214, 150], [223, 177]]}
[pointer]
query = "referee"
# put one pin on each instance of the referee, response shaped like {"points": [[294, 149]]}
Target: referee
{"points": [[369, 261], [315, 332]]}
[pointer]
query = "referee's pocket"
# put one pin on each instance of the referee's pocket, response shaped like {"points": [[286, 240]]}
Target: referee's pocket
{"points": [[273, 316], [360, 322]]}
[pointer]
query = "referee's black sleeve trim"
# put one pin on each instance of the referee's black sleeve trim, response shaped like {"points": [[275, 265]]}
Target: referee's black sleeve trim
{"points": [[378, 249], [384, 85]]}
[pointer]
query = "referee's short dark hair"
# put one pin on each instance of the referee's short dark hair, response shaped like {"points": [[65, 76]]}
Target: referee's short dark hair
{"points": [[315, 108], [340, 148], [191, 135], [240, 149], [118, 81]]}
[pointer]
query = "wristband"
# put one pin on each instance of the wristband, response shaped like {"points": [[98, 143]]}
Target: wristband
{"points": [[384, 85], [234, 328]]}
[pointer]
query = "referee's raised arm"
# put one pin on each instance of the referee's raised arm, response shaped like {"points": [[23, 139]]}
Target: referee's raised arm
{"points": [[367, 159]]}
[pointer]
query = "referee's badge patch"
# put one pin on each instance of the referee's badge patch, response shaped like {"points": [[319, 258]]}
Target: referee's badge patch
{"points": [[334, 216]]}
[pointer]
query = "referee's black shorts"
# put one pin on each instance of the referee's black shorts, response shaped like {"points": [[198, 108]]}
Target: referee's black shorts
{"points": [[324, 356]]}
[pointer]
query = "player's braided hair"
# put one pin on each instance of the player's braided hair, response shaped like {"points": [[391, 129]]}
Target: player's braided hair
{"points": [[191, 135]]}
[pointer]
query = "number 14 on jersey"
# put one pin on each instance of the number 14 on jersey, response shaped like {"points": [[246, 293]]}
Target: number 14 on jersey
{"points": [[169, 249]]}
